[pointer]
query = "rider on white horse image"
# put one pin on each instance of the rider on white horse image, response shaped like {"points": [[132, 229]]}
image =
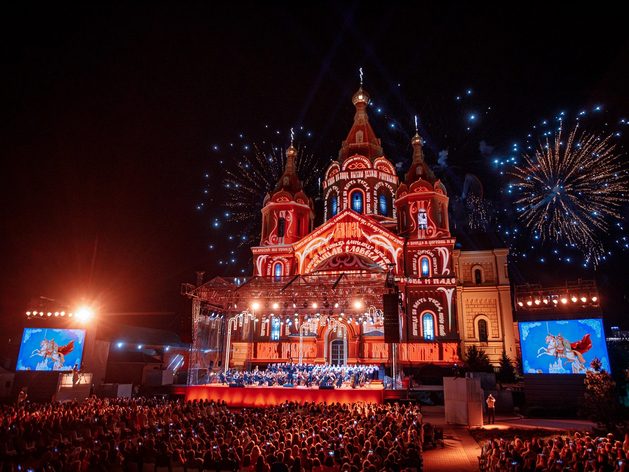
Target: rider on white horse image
{"points": [[51, 350], [561, 348]]}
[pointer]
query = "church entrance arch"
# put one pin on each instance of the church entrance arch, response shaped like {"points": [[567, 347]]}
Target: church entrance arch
{"points": [[336, 344], [338, 354]]}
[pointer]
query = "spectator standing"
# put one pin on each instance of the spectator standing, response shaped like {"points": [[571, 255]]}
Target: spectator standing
{"points": [[491, 409]]}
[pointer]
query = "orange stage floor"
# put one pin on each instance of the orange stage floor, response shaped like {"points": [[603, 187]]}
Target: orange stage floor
{"points": [[249, 397]]}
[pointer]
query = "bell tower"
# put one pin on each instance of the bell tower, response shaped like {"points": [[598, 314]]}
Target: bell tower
{"points": [[422, 217], [361, 179], [422, 201], [287, 216]]}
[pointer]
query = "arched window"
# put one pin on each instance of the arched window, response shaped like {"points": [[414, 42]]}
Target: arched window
{"points": [[357, 201], [335, 206], [478, 276], [275, 329], [428, 323], [383, 205], [277, 270], [424, 265], [281, 225], [482, 331]]}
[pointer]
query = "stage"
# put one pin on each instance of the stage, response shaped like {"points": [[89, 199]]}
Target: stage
{"points": [[249, 397]]}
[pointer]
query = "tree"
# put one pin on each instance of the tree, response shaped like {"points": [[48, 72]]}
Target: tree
{"points": [[600, 402], [507, 372], [477, 360]]}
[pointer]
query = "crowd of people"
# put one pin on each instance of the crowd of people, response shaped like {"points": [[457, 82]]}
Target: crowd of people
{"points": [[580, 453], [154, 435], [304, 375]]}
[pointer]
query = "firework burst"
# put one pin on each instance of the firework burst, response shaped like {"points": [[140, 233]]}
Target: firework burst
{"points": [[254, 177], [569, 191]]}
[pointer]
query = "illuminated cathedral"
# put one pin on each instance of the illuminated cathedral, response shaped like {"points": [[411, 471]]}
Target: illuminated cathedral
{"points": [[317, 292]]}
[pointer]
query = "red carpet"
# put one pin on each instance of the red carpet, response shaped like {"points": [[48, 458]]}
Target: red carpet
{"points": [[249, 397]]}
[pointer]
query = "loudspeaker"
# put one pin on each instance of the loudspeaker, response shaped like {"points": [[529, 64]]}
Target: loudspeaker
{"points": [[326, 387], [288, 385], [391, 318], [235, 385]]}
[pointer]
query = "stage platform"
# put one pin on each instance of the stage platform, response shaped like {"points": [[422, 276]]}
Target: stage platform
{"points": [[249, 397]]}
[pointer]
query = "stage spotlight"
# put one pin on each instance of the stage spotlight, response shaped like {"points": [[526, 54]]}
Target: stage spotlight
{"points": [[564, 300], [520, 303], [594, 299], [256, 305], [84, 314], [275, 306], [357, 304], [574, 299], [583, 299]]}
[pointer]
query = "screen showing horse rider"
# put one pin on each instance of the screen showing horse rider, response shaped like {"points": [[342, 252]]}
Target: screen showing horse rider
{"points": [[51, 349], [563, 346]]}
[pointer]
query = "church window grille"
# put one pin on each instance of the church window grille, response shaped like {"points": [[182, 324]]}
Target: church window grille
{"points": [[383, 205], [482, 331], [429, 326], [425, 267], [357, 201]]}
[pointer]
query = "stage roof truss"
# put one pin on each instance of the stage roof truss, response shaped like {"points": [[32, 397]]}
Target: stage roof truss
{"points": [[237, 294]]}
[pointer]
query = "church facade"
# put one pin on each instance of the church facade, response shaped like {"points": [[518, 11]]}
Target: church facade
{"points": [[377, 230]]}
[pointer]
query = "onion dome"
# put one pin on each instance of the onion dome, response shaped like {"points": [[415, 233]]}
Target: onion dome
{"points": [[289, 181], [419, 169], [361, 140]]}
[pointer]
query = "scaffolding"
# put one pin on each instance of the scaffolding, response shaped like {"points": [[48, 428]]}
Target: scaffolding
{"points": [[220, 303]]}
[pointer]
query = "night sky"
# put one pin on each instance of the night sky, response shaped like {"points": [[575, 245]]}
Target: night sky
{"points": [[113, 116]]}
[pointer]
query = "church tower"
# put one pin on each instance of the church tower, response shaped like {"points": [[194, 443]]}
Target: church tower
{"points": [[287, 216], [361, 179], [422, 216]]}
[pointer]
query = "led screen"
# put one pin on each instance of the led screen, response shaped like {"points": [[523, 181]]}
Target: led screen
{"points": [[51, 349], [562, 346]]}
